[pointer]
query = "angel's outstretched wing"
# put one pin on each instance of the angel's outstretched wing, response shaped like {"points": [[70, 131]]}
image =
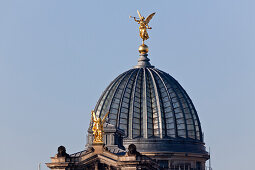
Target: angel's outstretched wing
{"points": [[140, 16], [147, 20], [105, 117], [93, 116]]}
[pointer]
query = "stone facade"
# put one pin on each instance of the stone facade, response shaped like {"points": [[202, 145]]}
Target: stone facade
{"points": [[98, 157]]}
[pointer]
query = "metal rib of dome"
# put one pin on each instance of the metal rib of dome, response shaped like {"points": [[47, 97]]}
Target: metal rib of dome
{"points": [[149, 103]]}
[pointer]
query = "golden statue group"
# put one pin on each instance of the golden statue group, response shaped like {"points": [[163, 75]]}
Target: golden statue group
{"points": [[143, 25], [98, 129]]}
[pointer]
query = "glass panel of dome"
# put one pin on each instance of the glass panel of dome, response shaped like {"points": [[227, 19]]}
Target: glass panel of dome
{"points": [[122, 86], [113, 111], [123, 121], [178, 115], [136, 120], [118, 95], [148, 109], [129, 86], [159, 82], [178, 110], [112, 116], [169, 120], [188, 116], [189, 121], [167, 104], [124, 110], [165, 99], [181, 126], [136, 116], [137, 94], [176, 105], [184, 105], [115, 100], [125, 105], [150, 125], [179, 94], [197, 128], [126, 100], [149, 115], [136, 133], [112, 121], [186, 110], [162, 91], [169, 114], [128, 90], [137, 105], [123, 115], [191, 133], [137, 99], [190, 127], [172, 94], [137, 110], [166, 110], [170, 125], [115, 106], [127, 93], [164, 94], [194, 116], [150, 133], [179, 121], [170, 89], [149, 121], [193, 111], [198, 136], [196, 122], [123, 126], [182, 100], [136, 126], [149, 106], [171, 132], [182, 133]]}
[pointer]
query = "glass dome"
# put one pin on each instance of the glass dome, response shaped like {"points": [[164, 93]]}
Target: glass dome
{"points": [[147, 103]]}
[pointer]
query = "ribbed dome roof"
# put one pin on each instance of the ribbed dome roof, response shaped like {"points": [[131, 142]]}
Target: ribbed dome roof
{"points": [[147, 103]]}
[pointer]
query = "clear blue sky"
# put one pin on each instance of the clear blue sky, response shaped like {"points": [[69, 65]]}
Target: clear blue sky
{"points": [[57, 56]]}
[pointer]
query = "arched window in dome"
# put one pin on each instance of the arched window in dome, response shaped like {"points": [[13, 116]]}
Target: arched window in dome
{"points": [[137, 118], [116, 99], [125, 103]]}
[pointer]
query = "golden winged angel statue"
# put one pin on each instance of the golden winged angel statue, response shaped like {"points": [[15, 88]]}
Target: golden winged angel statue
{"points": [[98, 128], [144, 25]]}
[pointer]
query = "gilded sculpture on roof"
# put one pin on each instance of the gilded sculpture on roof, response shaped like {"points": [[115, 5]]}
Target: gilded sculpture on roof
{"points": [[143, 25], [98, 129]]}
